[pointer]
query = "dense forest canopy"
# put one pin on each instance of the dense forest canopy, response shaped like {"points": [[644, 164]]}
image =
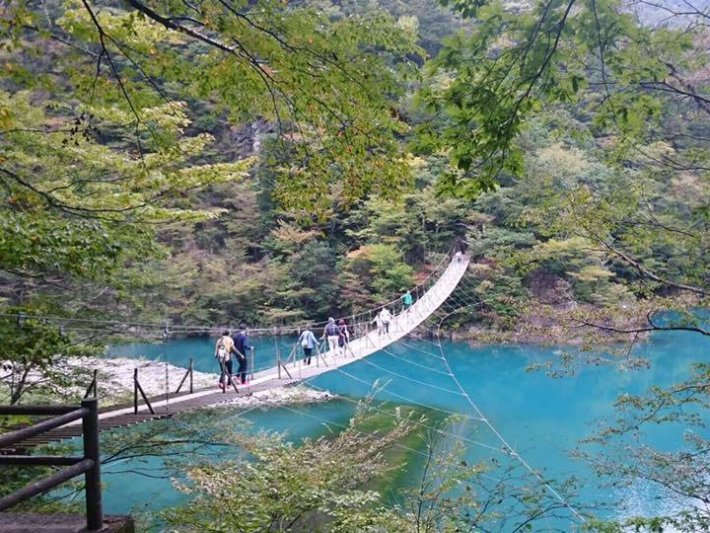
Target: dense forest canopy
{"points": [[213, 163], [206, 163]]}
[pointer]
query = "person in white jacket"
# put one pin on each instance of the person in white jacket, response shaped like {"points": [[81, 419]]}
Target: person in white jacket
{"points": [[307, 341], [383, 320]]}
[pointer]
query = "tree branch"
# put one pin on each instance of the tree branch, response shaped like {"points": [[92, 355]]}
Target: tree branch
{"points": [[642, 269]]}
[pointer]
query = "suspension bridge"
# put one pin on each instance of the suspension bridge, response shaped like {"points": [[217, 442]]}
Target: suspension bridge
{"points": [[291, 369], [431, 297]]}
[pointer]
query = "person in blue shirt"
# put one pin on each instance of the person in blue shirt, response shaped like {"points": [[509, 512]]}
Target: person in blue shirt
{"points": [[241, 346], [407, 300], [307, 341]]}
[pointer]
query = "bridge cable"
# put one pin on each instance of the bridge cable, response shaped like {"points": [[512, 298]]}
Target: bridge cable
{"points": [[372, 385], [413, 380], [402, 446], [122, 325], [413, 363], [515, 454], [425, 426]]}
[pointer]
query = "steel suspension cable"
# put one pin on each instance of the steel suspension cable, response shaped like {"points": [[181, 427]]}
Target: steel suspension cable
{"points": [[413, 380], [325, 421], [513, 453], [413, 363], [425, 426], [123, 324], [372, 385]]}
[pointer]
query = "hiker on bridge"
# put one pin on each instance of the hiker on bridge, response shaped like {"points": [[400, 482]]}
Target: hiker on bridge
{"points": [[241, 346], [223, 353], [407, 300], [307, 341], [343, 336], [460, 247], [331, 332], [383, 319]]}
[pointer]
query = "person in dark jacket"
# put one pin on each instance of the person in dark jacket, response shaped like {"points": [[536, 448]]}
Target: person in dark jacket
{"points": [[241, 346], [343, 336]]}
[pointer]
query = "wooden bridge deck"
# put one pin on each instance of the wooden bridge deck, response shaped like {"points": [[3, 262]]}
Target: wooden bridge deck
{"points": [[123, 416], [359, 348]]}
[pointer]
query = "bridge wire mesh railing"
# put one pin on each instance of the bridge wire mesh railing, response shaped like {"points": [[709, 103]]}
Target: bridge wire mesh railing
{"points": [[358, 324]]}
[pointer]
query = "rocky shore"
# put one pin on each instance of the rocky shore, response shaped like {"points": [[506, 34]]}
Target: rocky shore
{"points": [[115, 382], [115, 375], [277, 397]]}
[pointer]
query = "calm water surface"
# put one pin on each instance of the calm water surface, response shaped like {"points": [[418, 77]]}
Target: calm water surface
{"points": [[541, 418]]}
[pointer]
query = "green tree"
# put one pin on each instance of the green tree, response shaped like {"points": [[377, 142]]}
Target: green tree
{"points": [[373, 274], [318, 486], [677, 475], [629, 84], [100, 156], [78, 212]]}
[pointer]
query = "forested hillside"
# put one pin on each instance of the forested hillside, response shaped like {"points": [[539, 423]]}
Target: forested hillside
{"points": [[168, 188], [270, 194], [580, 214], [170, 167]]}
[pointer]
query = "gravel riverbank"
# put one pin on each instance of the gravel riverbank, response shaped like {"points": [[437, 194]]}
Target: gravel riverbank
{"points": [[67, 379]]}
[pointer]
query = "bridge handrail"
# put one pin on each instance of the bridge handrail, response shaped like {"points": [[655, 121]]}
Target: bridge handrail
{"points": [[301, 325], [89, 464], [358, 328]]}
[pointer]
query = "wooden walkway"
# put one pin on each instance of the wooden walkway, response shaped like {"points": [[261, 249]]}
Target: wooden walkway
{"points": [[123, 416], [276, 377]]}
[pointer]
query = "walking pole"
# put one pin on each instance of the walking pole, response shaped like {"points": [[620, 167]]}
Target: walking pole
{"points": [[278, 356], [252, 364], [191, 372]]}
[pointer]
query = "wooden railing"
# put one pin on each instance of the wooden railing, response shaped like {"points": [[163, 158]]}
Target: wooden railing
{"points": [[89, 464], [136, 389], [190, 372]]}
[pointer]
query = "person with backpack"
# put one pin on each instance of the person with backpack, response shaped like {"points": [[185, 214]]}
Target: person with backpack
{"points": [[332, 333], [307, 341], [223, 354], [241, 346]]}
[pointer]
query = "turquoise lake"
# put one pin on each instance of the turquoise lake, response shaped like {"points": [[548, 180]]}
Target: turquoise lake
{"points": [[540, 417]]}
